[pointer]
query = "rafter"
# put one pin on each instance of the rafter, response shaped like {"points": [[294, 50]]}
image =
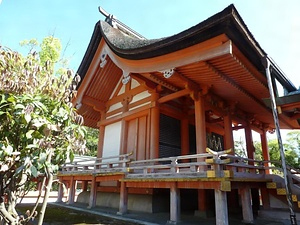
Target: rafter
{"points": [[149, 85], [96, 104], [234, 84]]}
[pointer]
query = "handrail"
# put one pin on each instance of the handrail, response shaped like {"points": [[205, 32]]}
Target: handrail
{"points": [[186, 165], [98, 164]]}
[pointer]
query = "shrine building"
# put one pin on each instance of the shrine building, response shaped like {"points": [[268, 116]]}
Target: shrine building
{"points": [[167, 109]]}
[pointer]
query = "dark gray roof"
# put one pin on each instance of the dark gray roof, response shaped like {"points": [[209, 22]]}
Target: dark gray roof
{"points": [[121, 40], [227, 22]]}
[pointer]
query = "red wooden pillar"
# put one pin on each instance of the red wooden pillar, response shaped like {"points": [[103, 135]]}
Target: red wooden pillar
{"points": [[154, 129], [250, 153], [202, 204], [200, 124], [233, 198], [228, 139], [124, 129], [84, 185], [101, 137], [185, 144], [265, 150], [249, 143], [124, 137], [200, 127]]}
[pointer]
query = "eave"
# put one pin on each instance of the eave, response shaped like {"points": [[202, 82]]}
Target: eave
{"points": [[219, 54]]}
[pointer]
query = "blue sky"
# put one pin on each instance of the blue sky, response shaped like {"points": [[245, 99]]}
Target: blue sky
{"points": [[274, 23]]}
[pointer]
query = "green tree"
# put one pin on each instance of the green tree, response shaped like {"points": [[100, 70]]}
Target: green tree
{"points": [[291, 155], [293, 139], [239, 148], [92, 141], [39, 127]]}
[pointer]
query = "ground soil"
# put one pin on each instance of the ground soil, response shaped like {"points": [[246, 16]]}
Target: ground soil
{"points": [[56, 215]]}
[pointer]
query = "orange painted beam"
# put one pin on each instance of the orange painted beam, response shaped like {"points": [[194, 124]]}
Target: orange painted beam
{"points": [[174, 95], [199, 184], [97, 105], [143, 110], [115, 177], [149, 184]]}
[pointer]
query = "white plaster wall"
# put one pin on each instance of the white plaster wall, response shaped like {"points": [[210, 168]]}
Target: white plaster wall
{"points": [[112, 138], [140, 96]]}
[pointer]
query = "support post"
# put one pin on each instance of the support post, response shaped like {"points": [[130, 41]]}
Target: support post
{"points": [[221, 207], [124, 137], [201, 144], [101, 136], [72, 190], [154, 130], [185, 145], [123, 206], [249, 143], [265, 150], [60, 193], [203, 205], [84, 185], [266, 62], [228, 143], [93, 194], [265, 197], [255, 200], [200, 124], [245, 193], [174, 204]]}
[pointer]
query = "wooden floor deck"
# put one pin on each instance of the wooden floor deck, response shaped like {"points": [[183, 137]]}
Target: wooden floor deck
{"points": [[218, 171]]}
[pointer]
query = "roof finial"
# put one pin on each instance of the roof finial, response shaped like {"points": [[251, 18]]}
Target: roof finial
{"points": [[109, 18], [115, 23]]}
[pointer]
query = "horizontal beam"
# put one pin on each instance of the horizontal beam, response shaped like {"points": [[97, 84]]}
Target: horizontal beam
{"points": [[174, 95]]}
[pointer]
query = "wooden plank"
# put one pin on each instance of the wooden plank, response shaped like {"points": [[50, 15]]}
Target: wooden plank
{"points": [[246, 205], [221, 208], [174, 95]]}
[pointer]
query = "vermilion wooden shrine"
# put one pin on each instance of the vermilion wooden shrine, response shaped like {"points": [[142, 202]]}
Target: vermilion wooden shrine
{"points": [[166, 110]]}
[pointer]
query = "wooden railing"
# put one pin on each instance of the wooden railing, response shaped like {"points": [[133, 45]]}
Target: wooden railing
{"points": [[169, 167], [294, 175], [118, 163], [210, 164]]}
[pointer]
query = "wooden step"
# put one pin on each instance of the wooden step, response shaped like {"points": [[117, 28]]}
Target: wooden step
{"points": [[281, 191], [294, 198], [271, 185]]}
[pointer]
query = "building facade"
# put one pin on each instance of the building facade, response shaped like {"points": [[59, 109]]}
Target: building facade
{"points": [[166, 110]]}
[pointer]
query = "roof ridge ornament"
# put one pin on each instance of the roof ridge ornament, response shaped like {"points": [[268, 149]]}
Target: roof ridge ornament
{"points": [[115, 23]]}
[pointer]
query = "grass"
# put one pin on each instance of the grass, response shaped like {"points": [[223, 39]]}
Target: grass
{"points": [[56, 215]]}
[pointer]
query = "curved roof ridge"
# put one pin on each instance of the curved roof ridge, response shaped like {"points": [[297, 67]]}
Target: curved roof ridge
{"points": [[227, 21], [120, 40]]}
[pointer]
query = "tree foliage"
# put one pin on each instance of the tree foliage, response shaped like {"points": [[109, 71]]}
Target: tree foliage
{"points": [[39, 127], [291, 150], [92, 141]]}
